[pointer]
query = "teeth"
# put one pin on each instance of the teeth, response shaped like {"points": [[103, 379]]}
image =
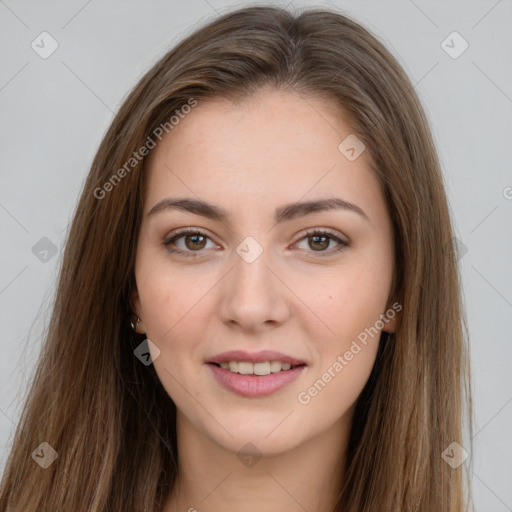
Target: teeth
{"points": [[262, 368], [246, 368], [275, 366]]}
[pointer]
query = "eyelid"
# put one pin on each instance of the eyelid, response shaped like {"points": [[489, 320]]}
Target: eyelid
{"points": [[325, 231]]}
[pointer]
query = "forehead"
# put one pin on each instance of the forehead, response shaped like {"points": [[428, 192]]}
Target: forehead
{"points": [[274, 143]]}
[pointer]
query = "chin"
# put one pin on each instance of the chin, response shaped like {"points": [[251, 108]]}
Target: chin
{"points": [[264, 437]]}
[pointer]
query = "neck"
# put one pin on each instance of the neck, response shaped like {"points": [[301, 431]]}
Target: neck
{"points": [[211, 478]]}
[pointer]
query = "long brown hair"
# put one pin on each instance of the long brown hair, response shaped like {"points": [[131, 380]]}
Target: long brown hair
{"points": [[108, 416]]}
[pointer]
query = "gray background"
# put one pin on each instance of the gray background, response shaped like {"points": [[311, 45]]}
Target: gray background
{"points": [[54, 112]]}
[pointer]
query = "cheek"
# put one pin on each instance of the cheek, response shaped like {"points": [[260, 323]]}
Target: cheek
{"points": [[175, 312], [348, 300], [350, 303], [171, 298], [350, 306], [332, 394], [172, 316]]}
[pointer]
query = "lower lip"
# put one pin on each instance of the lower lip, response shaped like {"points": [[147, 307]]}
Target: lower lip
{"points": [[255, 385]]}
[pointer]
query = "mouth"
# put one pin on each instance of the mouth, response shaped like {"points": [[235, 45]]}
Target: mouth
{"points": [[239, 361], [260, 369], [255, 375], [255, 380]]}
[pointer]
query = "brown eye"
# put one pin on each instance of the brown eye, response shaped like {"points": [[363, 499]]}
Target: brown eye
{"points": [[194, 242], [319, 241]]}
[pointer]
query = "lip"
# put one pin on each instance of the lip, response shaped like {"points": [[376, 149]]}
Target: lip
{"points": [[255, 357], [255, 385]]}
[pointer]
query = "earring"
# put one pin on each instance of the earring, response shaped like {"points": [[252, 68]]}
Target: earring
{"points": [[133, 326]]}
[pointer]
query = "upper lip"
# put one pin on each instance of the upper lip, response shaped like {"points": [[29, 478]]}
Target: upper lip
{"points": [[254, 357]]}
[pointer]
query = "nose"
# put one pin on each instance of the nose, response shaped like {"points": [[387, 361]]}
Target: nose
{"points": [[254, 297]]}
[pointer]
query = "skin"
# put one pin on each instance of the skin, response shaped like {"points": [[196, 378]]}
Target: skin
{"points": [[273, 148]]}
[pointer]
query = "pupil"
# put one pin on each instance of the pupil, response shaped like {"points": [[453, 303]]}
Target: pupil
{"points": [[195, 237], [316, 238]]}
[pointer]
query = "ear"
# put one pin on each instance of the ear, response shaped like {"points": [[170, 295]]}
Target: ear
{"points": [[137, 316], [390, 325], [391, 317]]}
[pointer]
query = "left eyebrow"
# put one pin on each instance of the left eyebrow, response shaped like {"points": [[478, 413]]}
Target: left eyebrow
{"points": [[282, 214]]}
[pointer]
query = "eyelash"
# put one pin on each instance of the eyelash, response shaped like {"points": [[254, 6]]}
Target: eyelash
{"points": [[309, 233]]}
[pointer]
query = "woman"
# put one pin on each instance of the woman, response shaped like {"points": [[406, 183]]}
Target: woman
{"points": [[258, 307]]}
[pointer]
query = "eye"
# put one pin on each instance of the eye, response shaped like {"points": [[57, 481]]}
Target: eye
{"points": [[320, 240], [195, 240]]}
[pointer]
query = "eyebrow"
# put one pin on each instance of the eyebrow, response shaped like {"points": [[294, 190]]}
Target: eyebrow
{"points": [[282, 214]]}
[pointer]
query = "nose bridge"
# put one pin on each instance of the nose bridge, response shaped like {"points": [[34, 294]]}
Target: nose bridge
{"points": [[252, 276], [251, 265], [253, 294]]}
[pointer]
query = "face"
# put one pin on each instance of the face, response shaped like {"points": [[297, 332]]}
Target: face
{"points": [[306, 284]]}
